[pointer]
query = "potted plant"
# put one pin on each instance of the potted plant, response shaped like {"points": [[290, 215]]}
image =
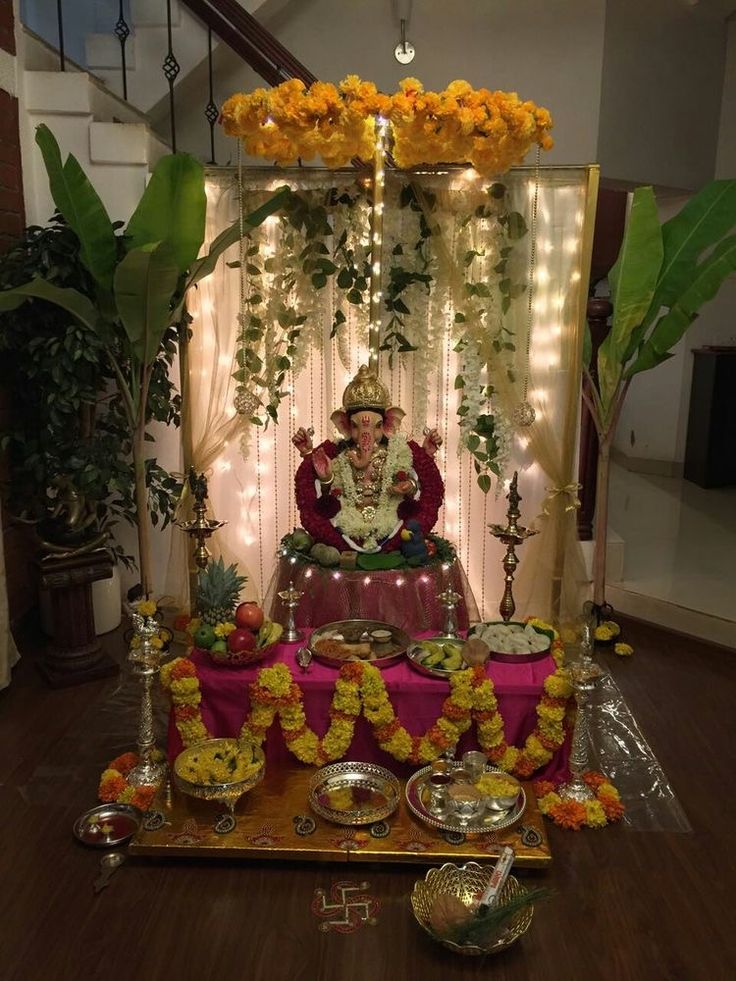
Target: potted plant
{"points": [[139, 277], [68, 426], [660, 280]]}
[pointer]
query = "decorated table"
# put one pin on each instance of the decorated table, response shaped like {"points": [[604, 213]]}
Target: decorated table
{"points": [[417, 701]]}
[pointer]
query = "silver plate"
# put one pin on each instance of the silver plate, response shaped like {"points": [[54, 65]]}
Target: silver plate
{"points": [[489, 821], [506, 657], [357, 628], [366, 778], [107, 825], [414, 652]]}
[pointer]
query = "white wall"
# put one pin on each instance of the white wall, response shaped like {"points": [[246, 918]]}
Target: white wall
{"points": [[661, 91], [546, 50]]}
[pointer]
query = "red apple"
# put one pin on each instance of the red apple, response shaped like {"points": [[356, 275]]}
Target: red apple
{"points": [[250, 616], [241, 640]]}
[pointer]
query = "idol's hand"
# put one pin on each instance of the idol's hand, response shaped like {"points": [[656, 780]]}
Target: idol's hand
{"points": [[322, 465], [432, 441], [303, 441]]}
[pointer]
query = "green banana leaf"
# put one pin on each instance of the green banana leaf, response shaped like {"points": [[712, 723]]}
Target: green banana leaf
{"points": [[81, 206], [698, 226], [172, 209], [71, 300], [145, 283], [703, 285], [207, 263], [633, 279]]}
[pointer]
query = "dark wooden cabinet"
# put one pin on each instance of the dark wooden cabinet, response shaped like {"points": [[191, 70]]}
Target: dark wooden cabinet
{"points": [[710, 453]]}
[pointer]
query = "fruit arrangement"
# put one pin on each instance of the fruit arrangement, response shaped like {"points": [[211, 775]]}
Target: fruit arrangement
{"points": [[442, 655], [218, 591], [246, 638]]}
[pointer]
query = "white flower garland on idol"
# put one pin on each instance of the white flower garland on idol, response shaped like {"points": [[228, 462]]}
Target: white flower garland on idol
{"points": [[384, 522]]}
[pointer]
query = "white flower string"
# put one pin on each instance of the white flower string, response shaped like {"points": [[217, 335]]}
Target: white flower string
{"points": [[524, 413]]}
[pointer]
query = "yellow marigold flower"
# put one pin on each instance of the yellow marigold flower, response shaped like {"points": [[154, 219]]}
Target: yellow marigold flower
{"points": [[126, 797], [184, 687], [608, 790], [595, 816], [157, 643], [551, 713], [603, 633], [224, 629], [146, 608], [194, 624], [509, 759], [623, 650], [399, 745], [489, 738], [558, 685], [277, 679], [536, 750], [547, 802]]}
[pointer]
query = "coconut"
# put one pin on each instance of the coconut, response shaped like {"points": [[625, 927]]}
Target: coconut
{"points": [[475, 651], [447, 914]]}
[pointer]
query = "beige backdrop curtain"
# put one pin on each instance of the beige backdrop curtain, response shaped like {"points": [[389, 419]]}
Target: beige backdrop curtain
{"points": [[254, 493]]}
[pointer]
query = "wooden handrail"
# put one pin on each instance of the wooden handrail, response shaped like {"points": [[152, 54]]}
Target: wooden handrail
{"points": [[249, 39]]}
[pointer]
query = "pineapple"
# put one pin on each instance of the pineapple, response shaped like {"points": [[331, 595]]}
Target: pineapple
{"points": [[218, 591]]}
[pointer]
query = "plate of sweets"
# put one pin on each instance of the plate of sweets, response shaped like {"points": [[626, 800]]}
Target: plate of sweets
{"points": [[358, 640], [513, 642]]}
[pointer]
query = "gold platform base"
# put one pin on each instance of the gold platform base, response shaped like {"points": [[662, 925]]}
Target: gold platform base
{"points": [[275, 821]]}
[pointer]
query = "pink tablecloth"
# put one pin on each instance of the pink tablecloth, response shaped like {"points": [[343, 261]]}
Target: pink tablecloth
{"points": [[417, 700]]}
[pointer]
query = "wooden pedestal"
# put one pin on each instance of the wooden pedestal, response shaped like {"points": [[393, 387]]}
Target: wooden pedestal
{"points": [[74, 655]]}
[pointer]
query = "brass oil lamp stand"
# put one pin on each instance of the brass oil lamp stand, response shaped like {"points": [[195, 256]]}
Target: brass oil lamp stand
{"points": [[290, 598], [512, 536], [200, 528], [145, 659], [584, 675]]}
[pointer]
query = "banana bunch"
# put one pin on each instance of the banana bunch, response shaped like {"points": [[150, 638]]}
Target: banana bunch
{"points": [[269, 633]]}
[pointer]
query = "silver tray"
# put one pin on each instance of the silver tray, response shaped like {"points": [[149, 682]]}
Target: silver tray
{"points": [[366, 778], [506, 657], [489, 821], [357, 628], [414, 651], [107, 825]]}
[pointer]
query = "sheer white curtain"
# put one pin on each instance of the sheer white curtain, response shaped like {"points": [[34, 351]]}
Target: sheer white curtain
{"points": [[255, 494]]}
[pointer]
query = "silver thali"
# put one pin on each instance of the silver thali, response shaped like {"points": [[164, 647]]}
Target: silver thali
{"points": [[417, 794], [370, 792], [359, 632]]}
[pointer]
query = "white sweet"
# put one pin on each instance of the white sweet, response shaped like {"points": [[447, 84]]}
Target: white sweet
{"points": [[508, 638]]}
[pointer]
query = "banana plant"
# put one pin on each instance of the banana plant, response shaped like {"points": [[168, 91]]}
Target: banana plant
{"points": [[662, 277], [141, 279]]}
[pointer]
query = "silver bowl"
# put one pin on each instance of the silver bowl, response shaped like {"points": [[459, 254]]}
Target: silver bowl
{"points": [[227, 793], [379, 788]]}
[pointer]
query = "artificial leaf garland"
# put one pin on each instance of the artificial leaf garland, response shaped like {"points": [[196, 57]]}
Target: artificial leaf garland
{"points": [[360, 687]]}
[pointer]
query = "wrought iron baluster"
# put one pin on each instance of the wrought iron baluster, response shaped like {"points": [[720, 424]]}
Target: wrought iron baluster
{"points": [[171, 69], [60, 21], [122, 33], [210, 110]]}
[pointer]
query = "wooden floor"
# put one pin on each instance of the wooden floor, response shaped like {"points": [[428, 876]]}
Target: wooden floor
{"points": [[627, 905]]}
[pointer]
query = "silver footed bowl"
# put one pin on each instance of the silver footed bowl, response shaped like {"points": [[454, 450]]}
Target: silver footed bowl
{"points": [[227, 792]]}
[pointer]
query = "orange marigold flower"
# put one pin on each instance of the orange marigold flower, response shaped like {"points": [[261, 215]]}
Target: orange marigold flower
{"points": [[384, 733], [452, 711], [183, 668], [612, 808], [110, 788], [484, 716], [124, 763], [143, 797], [543, 787], [352, 671], [525, 766], [569, 814], [594, 779], [185, 713]]}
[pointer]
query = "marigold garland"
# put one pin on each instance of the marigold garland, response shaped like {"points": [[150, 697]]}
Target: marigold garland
{"points": [[597, 813], [491, 130], [114, 786], [360, 686]]}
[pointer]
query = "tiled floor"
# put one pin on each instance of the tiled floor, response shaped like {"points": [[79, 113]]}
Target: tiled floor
{"points": [[680, 553]]}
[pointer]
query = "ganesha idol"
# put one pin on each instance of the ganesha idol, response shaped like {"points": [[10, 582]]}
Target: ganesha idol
{"points": [[374, 491]]}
